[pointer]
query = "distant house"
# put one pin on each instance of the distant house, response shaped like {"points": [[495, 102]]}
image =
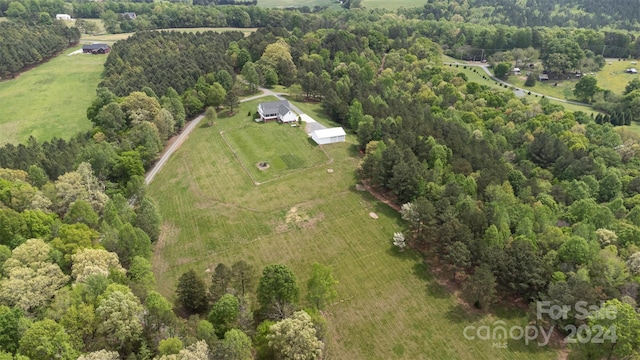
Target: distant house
{"points": [[543, 77], [516, 71], [96, 49], [129, 15], [328, 136], [63, 17], [277, 110], [631, 71]]}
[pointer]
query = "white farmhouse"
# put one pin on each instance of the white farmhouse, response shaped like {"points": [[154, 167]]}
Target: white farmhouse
{"points": [[63, 17], [277, 110]]}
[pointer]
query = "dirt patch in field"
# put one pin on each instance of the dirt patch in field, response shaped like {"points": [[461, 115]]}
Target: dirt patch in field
{"points": [[168, 233], [298, 218]]}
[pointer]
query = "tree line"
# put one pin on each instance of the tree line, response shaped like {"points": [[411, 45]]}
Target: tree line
{"points": [[23, 46], [591, 14]]}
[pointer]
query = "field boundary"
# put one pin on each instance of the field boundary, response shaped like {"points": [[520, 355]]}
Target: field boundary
{"points": [[258, 183]]}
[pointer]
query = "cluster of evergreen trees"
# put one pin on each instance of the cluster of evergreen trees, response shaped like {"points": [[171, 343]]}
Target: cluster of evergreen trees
{"points": [[160, 60], [23, 46]]}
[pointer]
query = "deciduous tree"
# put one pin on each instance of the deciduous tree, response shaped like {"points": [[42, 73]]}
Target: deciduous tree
{"points": [[277, 290], [321, 286], [224, 314], [295, 338], [45, 340]]}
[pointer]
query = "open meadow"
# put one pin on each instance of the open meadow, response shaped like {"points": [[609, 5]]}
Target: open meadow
{"points": [[370, 4], [613, 76], [388, 307], [286, 149], [51, 99]]}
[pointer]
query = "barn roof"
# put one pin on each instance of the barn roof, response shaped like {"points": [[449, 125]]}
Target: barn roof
{"points": [[330, 132], [95, 46]]}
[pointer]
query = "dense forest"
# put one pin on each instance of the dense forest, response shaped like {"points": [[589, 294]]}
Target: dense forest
{"points": [[25, 46], [512, 196]]}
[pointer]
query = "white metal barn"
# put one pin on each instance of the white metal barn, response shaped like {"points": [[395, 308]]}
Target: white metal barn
{"points": [[328, 136], [63, 17]]}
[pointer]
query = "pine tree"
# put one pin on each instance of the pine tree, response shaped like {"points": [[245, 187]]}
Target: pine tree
{"points": [[191, 292]]}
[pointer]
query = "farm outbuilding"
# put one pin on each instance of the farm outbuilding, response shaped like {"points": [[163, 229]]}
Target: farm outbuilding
{"points": [[328, 136], [63, 17], [96, 49]]}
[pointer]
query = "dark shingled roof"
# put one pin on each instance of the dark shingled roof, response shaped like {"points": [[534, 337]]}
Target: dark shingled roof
{"points": [[95, 46], [276, 107]]}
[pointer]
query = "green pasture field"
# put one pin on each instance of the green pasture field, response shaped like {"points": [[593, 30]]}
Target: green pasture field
{"points": [[293, 3], [613, 77], [370, 4], [564, 89], [286, 149], [51, 99], [389, 306], [393, 5], [111, 38]]}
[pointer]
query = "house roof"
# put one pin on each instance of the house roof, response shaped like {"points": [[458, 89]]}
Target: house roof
{"points": [[275, 107], [95, 46], [330, 132]]}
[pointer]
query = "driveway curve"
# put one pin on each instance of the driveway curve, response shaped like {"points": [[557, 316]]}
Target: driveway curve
{"points": [[175, 145]]}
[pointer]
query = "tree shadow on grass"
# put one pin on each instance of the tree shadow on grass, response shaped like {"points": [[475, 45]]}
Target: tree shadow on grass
{"points": [[461, 315], [353, 151], [437, 291], [407, 254]]}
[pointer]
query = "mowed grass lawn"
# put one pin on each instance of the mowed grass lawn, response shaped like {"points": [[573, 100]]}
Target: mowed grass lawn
{"points": [[388, 306], [285, 149], [51, 99]]}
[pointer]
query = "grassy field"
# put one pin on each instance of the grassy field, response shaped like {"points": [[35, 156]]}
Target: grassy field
{"points": [[564, 89], [388, 307], [613, 77], [392, 5], [286, 149], [293, 3], [50, 100]]}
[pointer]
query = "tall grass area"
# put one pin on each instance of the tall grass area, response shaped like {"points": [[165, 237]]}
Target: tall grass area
{"points": [[50, 100], [388, 306]]}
